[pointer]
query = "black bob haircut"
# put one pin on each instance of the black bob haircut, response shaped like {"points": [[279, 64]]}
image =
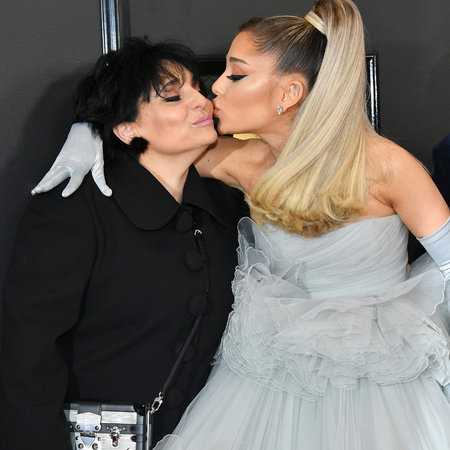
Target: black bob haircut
{"points": [[120, 81]]}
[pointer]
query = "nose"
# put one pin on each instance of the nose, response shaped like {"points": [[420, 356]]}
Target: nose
{"points": [[217, 87], [199, 100]]}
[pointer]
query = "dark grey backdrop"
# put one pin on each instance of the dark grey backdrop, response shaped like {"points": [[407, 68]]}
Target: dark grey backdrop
{"points": [[45, 46]]}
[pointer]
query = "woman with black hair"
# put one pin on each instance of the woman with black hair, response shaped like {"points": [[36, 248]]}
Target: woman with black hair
{"points": [[102, 292], [333, 344]]}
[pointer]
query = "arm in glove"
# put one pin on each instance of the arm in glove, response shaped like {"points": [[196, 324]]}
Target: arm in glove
{"points": [[437, 245], [81, 152]]}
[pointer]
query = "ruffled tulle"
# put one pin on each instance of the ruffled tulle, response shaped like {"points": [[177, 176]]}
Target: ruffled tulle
{"points": [[282, 338], [331, 345]]}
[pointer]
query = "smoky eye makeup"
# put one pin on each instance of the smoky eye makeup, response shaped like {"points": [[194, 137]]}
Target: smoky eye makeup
{"points": [[172, 98], [236, 77], [170, 91]]}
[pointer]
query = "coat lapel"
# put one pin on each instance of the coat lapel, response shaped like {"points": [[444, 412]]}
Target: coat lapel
{"points": [[145, 201]]}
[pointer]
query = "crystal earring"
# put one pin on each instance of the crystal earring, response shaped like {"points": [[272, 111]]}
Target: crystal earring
{"points": [[279, 110]]}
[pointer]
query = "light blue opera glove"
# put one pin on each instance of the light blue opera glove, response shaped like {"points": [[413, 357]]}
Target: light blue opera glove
{"points": [[437, 244], [81, 152]]}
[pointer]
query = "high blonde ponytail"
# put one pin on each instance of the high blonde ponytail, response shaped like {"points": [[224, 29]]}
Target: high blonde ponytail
{"points": [[319, 180]]}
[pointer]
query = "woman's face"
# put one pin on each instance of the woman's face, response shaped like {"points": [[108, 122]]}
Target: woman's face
{"points": [[246, 101], [177, 121]]}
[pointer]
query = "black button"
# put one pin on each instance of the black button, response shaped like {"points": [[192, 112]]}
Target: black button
{"points": [[184, 222], [190, 351], [197, 305], [193, 260], [174, 398]]}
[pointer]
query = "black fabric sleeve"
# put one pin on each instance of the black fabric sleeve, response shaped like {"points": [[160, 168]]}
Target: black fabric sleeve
{"points": [[53, 256]]}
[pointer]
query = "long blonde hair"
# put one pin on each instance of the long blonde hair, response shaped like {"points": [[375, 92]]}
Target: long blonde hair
{"points": [[318, 182]]}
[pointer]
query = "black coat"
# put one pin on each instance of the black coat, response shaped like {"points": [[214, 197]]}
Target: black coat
{"points": [[102, 293]]}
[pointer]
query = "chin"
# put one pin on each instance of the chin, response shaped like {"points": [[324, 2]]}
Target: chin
{"points": [[214, 134], [211, 139], [221, 129]]}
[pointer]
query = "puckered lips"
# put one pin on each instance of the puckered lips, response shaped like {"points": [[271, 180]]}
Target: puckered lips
{"points": [[204, 120]]}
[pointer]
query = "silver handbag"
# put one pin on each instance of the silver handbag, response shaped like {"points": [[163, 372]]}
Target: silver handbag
{"points": [[109, 426], [102, 426]]}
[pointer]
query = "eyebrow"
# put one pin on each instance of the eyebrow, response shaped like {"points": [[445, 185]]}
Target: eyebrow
{"points": [[233, 59], [169, 84]]}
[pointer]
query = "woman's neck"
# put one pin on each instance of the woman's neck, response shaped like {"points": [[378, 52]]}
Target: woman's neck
{"points": [[277, 137], [169, 173]]}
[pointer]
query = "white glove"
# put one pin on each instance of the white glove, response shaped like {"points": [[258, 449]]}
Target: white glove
{"points": [[80, 153], [437, 244]]}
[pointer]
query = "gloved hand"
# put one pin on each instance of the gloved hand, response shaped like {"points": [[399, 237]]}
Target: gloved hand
{"points": [[80, 153]]}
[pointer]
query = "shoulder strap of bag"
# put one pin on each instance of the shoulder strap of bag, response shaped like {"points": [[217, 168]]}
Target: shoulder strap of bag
{"points": [[158, 401]]}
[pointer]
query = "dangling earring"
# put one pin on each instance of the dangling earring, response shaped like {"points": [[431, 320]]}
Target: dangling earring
{"points": [[279, 110]]}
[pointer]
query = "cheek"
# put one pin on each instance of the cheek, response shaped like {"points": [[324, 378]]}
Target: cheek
{"points": [[254, 93], [248, 104], [170, 121]]}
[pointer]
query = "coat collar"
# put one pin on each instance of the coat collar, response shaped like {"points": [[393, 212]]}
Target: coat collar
{"points": [[146, 202]]}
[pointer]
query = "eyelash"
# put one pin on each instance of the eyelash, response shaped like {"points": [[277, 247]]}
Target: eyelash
{"points": [[235, 78], [174, 98]]}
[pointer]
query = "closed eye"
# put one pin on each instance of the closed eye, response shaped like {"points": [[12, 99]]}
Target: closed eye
{"points": [[174, 98], [236, 77]]}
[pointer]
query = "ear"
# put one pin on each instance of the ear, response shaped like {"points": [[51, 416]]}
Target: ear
{"points": [[293, 93], [124, 131]]}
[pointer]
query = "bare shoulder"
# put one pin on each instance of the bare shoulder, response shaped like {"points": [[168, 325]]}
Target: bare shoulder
{"points": [[407, 187], [389, 154], [389, 164]]}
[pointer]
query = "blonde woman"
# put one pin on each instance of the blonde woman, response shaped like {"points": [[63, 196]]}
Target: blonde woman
{"points": [[332, 344]]}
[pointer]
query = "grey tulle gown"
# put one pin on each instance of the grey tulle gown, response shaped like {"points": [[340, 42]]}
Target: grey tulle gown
{"points": [[332, 345]]}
